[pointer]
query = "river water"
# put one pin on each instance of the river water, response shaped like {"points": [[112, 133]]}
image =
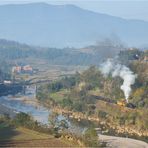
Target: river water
{"points": [[39, 113]]}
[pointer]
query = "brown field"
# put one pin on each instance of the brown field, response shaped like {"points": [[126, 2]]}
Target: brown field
{"points": [[34, 143], [22, 137]]}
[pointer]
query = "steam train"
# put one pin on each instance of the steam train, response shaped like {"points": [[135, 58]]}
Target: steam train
{"points": [[121, 103], [125, 104]]}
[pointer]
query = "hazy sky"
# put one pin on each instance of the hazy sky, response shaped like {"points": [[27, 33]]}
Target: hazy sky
{"points": [[130, 9]]}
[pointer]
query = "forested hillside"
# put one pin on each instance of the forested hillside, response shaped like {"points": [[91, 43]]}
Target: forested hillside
{"points": [[94, 94], [91, 55]]}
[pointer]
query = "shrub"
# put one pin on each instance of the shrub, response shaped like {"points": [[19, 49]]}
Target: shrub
{"points": [[91, 138]]}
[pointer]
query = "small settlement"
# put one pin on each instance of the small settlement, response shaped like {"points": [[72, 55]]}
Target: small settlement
{"points": [[27, 69]]}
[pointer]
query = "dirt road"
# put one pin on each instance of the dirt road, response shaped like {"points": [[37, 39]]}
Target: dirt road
{"points": [[118, 142]]}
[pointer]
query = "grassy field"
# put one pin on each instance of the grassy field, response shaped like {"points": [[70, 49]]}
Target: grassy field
{"points": [[59, 96], [16, 137], [20, 134]]}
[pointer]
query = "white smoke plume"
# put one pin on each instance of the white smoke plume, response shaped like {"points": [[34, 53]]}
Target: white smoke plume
{"points": [[115, 69]]}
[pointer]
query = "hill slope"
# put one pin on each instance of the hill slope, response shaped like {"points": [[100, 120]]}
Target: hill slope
{"points": [[66, 25], [11, 51]]}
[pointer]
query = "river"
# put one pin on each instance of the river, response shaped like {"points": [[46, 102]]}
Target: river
{"points": [[28, 104], [41, 114], [20, 103]]}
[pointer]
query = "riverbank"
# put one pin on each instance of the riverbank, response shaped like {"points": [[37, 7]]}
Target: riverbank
{"points": [[107, 127], [70, 114], [7, 111], [118, 130], [76, 115]]}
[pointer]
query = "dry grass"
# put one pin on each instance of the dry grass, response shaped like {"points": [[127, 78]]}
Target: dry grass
{"points": [[9, 133], [22, 137]]}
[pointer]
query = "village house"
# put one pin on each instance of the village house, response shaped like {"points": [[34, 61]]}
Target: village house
{"points": [[16, 69], [22, 69]]}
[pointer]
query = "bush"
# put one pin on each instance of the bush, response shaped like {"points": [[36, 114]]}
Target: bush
{"points": [[66, 102], [22, 119], [91, 138]]}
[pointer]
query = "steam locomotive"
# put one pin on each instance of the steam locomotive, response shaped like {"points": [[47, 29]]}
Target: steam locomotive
{"points": [[121, 103], [125, 104]]}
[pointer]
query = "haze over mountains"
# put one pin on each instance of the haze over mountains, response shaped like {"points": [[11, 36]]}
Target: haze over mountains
{"points": [[66, 25]]}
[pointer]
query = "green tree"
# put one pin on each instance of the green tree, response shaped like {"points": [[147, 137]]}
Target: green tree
{"points": [[23, 119], [91, 138]]}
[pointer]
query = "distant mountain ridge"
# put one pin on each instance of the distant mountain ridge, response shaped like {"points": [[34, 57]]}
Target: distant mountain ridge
{"points": [[11, 51], [66, 25]]}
